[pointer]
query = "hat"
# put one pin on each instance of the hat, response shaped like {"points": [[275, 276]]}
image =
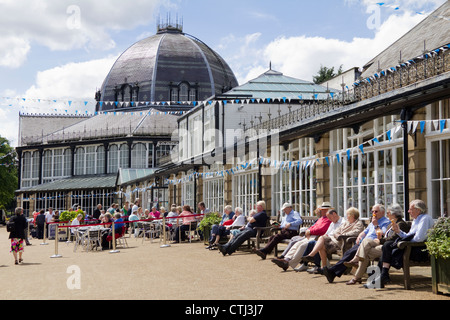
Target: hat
{"points": [[286, 205], [325, 205]]}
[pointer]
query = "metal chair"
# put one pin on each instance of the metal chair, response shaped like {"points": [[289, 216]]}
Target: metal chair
{"points": [[93, 239]]}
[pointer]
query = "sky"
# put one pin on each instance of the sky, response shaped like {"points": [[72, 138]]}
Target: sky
{"points": [[55, 54]]}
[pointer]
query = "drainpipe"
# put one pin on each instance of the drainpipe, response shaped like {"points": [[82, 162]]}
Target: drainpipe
{"points": [[405, 116]]}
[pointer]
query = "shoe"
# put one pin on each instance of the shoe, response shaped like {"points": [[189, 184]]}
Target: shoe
{"points": [[213, 248], [222, 249], [260, 254], [354, 281], [329, 274], [308, 259], [16, 262], [302, 268], [315, 270], [20, 260], [283, 264], [350, 264]]}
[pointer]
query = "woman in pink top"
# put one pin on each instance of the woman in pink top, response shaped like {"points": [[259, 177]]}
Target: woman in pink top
{"points": [[187, 216]]}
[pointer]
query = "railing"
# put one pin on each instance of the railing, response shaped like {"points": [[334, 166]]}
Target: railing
{"points": [[157, 130], [413, 71]]}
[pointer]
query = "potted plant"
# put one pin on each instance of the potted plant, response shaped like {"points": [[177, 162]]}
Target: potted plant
{"points": [[207, 222], [438, 245]]}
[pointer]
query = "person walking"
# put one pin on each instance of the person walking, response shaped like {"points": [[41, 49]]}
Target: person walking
{"points": [[17, 234]]}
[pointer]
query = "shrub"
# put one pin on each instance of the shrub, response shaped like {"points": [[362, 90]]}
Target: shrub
{"points": [[438, 241]]}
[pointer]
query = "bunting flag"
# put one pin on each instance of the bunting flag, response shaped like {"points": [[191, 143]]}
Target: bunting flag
{"points": [[405, 64]]}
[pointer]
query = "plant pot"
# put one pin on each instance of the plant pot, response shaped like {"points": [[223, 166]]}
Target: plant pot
{"points": [[440, 271], [206, 234]]}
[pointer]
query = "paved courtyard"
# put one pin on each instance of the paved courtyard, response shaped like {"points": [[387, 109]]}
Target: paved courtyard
{"points": [[179, 272]]}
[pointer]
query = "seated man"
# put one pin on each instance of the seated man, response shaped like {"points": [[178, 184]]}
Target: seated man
{"points": [[290, 223], [296, 251], [392, 255], [379, 221], [258, 220], [330, 243]]}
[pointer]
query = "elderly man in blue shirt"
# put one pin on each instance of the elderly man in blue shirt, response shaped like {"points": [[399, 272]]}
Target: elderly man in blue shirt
{"points": [[290, 224], [392, 255]]}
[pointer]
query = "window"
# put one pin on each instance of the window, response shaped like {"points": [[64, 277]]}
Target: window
{"points": [[438, 159], [123, 156], [196, 135], [162, 151], [213, 190], [100, 160], [187, 195], [79, 161], [139, 156], [209, 125], [296, 183], [56, 200], [30, 169], [184, 140], [363, 179], [184, 91], [245, 190], [113, 158]]}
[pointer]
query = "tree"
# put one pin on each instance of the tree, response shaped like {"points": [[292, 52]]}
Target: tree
{"points": [[8, 174], [326, 74]]}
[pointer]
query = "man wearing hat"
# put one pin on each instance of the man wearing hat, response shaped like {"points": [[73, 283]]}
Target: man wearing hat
{"points": [[289, 228], [297, 247]]}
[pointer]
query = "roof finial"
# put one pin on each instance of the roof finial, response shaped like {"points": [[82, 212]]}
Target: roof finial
{"points": [[270, 65]]}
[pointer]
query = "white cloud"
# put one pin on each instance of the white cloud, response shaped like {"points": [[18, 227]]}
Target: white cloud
{"points": [[79, 80], [75, 82], [13, 51], [302, 56], [59, 25]]}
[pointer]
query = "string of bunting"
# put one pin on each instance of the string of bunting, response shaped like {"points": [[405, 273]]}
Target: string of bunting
{"points": [[437, 125], [396, 8], [65, 110]]}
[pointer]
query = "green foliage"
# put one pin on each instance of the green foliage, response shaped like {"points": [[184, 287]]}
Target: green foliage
{"points": [[8, 174], [208, 220], [326, 74], [438, 242], [70, 215]]}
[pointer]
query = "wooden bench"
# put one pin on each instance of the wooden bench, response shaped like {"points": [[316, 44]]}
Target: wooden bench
{"points": [[407, 262]]}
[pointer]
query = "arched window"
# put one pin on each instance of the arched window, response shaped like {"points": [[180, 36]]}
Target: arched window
{"points": [[139, 156], [113, 159], [100, 159], [79, 161], [123, 156], [184, 92]]}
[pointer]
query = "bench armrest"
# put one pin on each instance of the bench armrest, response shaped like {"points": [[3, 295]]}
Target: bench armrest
{"points": [[404, 244]]}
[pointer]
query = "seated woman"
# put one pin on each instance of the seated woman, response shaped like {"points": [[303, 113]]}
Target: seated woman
{"points": [[187, 218], [227, 215], [238, 220], [329, 243], [370, 249]]}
